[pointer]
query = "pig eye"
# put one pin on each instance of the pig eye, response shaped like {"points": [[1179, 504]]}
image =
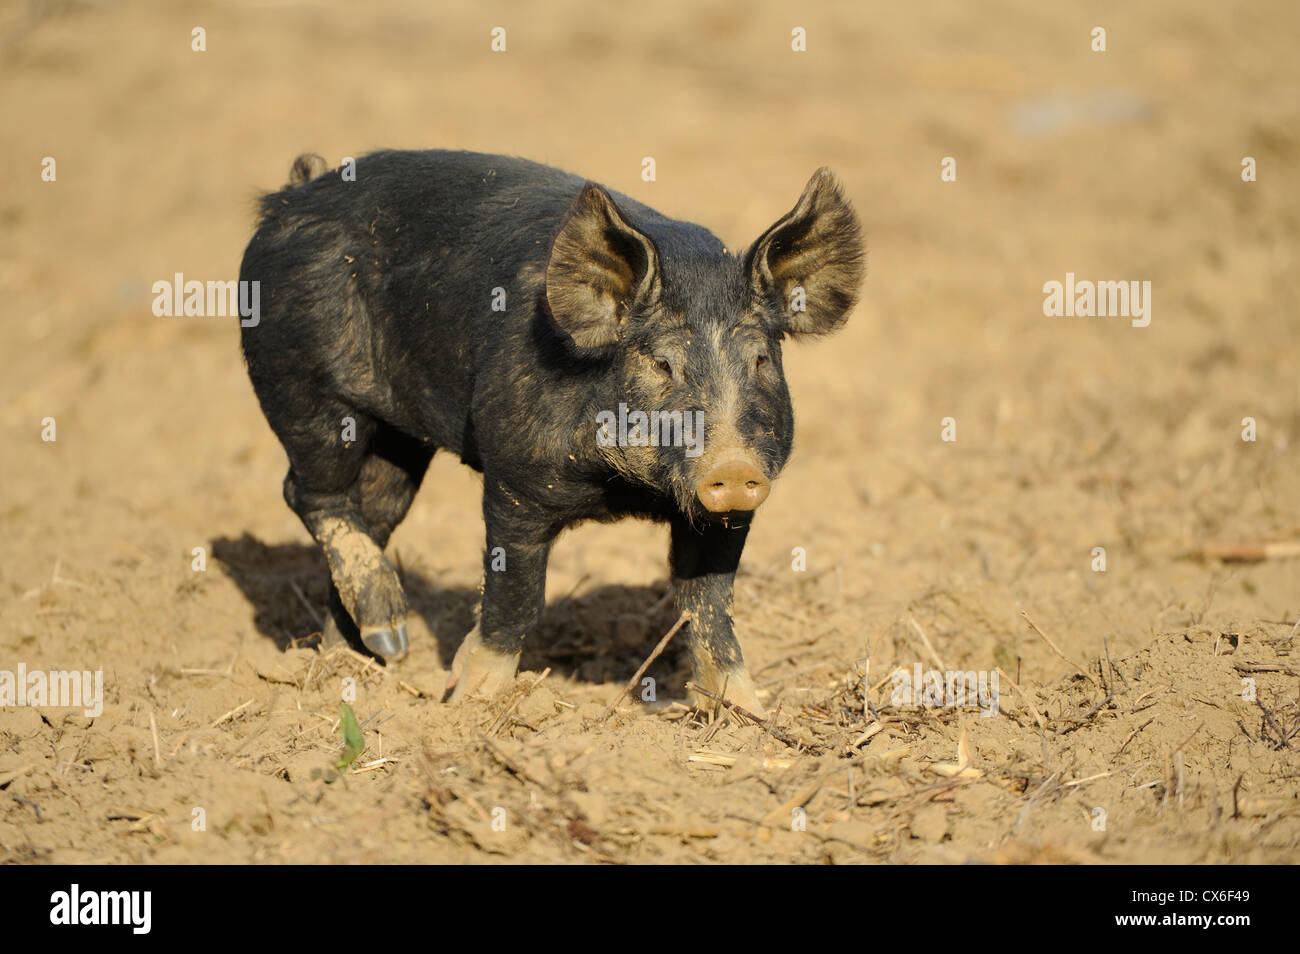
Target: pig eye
{"points": [[760, 361], [663, 365]]}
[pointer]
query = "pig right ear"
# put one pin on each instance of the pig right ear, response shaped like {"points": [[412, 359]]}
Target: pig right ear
{"points": [[601, 265]]}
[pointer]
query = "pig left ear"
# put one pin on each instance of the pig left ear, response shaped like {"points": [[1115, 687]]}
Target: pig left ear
{"points": [[808, 266], [601, 266]]}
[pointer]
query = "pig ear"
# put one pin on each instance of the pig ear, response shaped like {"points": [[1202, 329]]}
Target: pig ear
{"points": [[600, 267], [808, 266]]}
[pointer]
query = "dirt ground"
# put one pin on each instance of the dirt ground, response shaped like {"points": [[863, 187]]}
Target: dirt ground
{"points": [[1146, 744]]}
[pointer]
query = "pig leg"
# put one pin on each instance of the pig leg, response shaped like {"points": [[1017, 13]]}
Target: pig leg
{"points": [[324, 487], [703, 562], [389, 478], [514, 592]]}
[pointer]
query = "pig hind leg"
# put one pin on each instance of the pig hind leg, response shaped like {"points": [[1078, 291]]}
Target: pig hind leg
{"points": [[388, 480], [328, 485]]}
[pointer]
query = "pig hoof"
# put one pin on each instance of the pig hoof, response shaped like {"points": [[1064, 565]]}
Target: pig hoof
{"points": [[748, 701], [740, 692], [391, 643], [477, 670]]}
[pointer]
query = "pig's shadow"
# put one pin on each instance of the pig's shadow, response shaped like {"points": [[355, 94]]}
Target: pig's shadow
{"points": [[600, 636]]}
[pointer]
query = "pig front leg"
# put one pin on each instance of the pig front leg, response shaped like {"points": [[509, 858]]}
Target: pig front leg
{"points": [[514, 592], [703, 562]]}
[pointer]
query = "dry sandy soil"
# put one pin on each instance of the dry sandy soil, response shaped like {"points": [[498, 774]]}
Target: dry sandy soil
{"points": [[1072, 433]]}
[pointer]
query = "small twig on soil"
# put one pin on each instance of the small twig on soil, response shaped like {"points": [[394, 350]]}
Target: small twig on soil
{"points": [[767, 729], [230, 714], [1150, 692], [1245, 552], [1057, 649], [1183, 744], [719, 758], [874, 689], [1032, 801], [717, 701], [418, 693], [1268, 718], [8, 777], [873, 729], [781, 814], [663, 643], [1178, 769], [157, 754], [1131, 736], [684, 832], [22, 801], [1025, 699], [1087, 716], [1246, 668], [362, 769], [1114, 670], [505, 714], [933, 655], [1090, 778]]}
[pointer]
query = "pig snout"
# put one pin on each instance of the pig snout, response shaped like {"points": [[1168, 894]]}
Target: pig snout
{"points": [[735, 484]]}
